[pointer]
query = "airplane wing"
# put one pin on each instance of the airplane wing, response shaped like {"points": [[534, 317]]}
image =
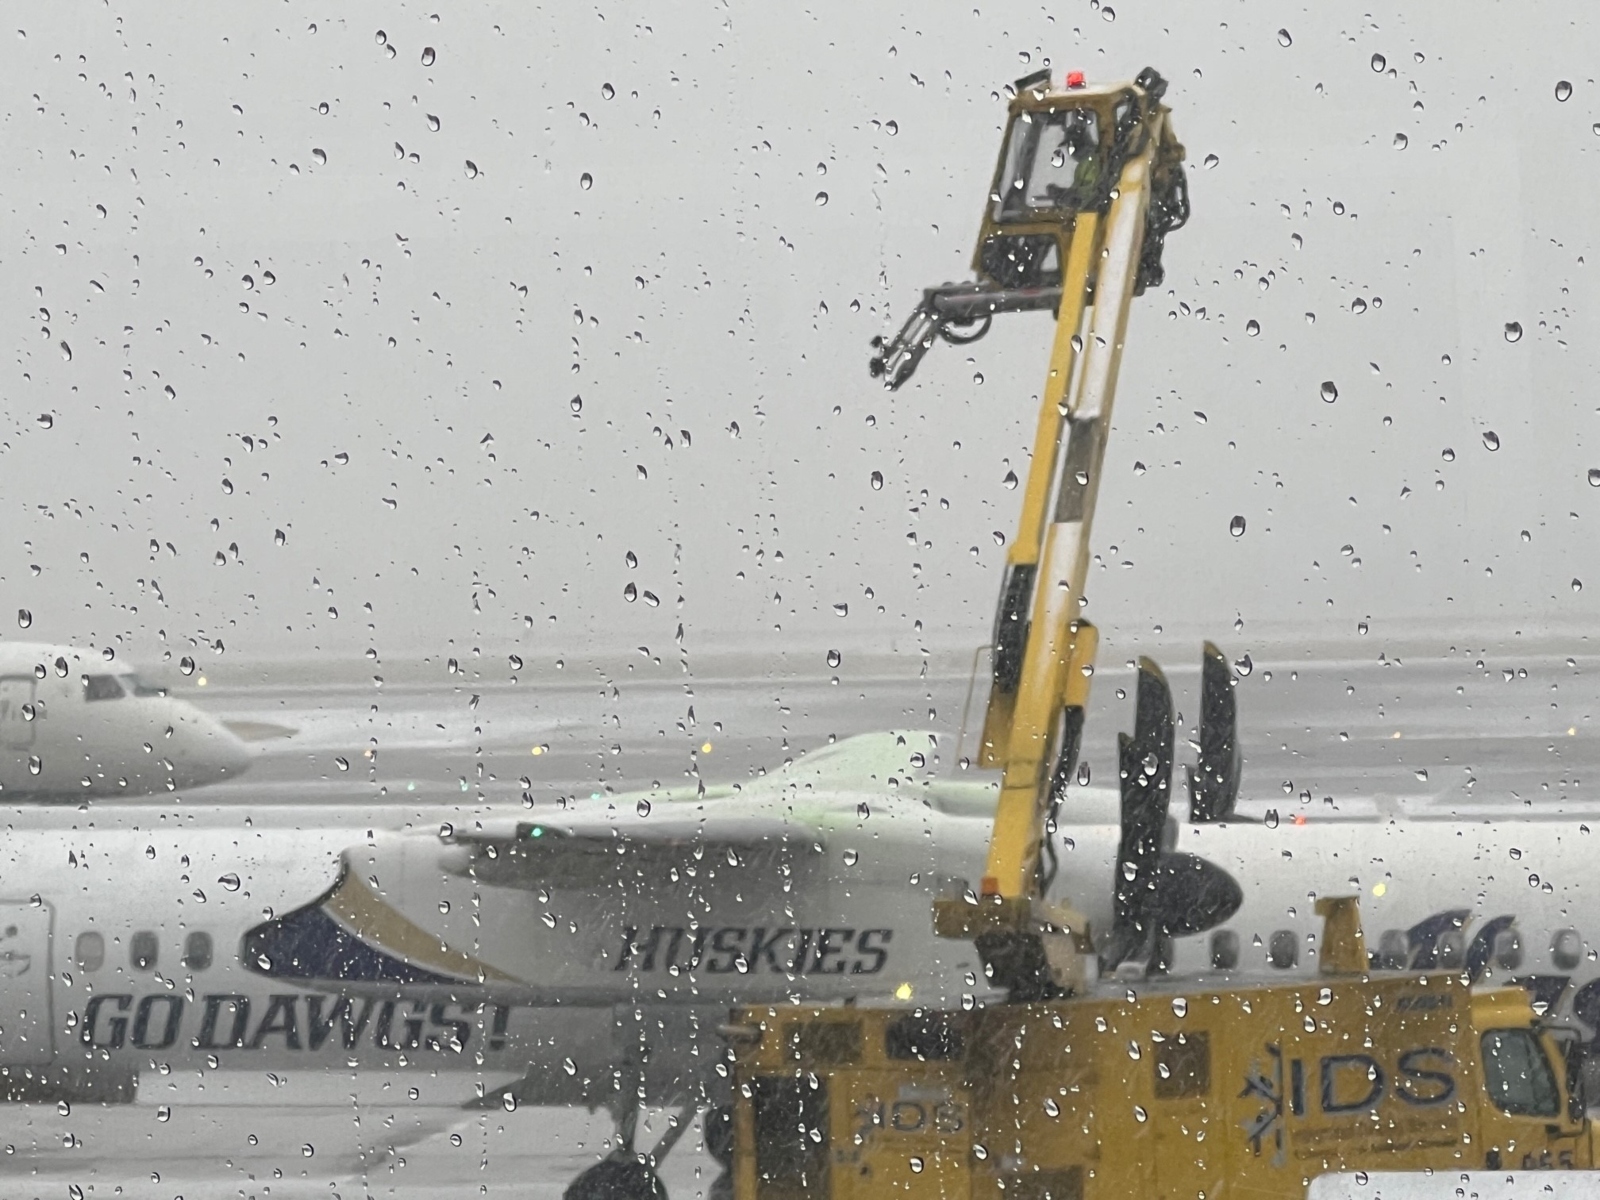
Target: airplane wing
{"points": [[573, 849]]}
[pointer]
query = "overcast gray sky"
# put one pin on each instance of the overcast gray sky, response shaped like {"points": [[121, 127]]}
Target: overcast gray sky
{"points": [[600, 280]]}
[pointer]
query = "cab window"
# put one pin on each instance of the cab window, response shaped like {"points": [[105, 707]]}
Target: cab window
{"points": [[1518, 1075], [1052, 162], [102, 687]]}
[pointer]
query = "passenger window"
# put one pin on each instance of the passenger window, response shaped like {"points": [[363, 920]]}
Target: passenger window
{"points": [[1392, 952], [1452, 949], [1507, 950], [1183, 1066], [89, 952], [1518, 1075], [1566, 948], [101, 687], [1283, 951], [142, 950], [1224, 950], [197, 951]]}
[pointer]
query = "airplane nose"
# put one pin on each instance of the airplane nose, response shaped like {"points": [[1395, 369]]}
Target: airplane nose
{"points": [[207, 750]]}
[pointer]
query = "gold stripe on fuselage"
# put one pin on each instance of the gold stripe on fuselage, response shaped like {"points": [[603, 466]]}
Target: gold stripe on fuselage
{"points": [[370, 918]]}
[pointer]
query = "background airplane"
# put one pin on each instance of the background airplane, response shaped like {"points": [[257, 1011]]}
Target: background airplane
{"points": [[74, 724]]}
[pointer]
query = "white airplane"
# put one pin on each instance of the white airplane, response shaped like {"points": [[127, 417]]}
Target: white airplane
{"points": [[73, 724], [585, 954]]}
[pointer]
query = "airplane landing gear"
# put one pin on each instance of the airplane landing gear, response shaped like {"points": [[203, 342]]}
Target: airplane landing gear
{"points": [[620, 1177], [625, 1174]]}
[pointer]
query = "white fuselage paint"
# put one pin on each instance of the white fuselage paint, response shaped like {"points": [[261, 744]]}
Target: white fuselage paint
{"points": [[74, 725]]}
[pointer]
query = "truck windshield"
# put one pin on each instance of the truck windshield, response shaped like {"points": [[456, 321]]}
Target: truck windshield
{"points": [[1052, 162], [1518, 1074]]}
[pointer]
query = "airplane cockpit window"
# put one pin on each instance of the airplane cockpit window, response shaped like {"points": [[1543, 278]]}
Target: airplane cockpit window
{"points": [[89, 951], [143, 949], [1518, 1074], [197, 951], [102, 687], [1566, 949], [1283, 949]]}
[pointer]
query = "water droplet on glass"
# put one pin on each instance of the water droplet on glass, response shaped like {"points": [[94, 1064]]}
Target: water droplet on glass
{"points": [[24, 618], [1051, 1108], [1236, 527], [1330, 393], [1083, 774], [1243, 665], [586, 181], [642, 808], [916, 1163], [1379, 62], [428, 56], [509, 1100], [1210, 161], [1447, 454], [1010, 481], [841, 610], [319, 156], [607, 91], [834, 658], [1271, 818], [1491, 440], [822, 198], [1577, 585], [1252, 327], [851, 858], [308, 1150], [1422, 774], [44, 421], [1513, 331], [66, 352], [279, 537], [630, 560], [471, 169], [877, 481], [433, 123], [229, 881], [1400, 141], [1180, 1006], [577, 404], [186, 665], [381, 38], [1563, 90], [1284, 39], [630, 593], [1594, 476]]}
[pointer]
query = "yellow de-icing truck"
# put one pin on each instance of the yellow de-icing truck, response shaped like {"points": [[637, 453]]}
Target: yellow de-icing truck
{"points": [[1168, 1089], [1101, 1077]]}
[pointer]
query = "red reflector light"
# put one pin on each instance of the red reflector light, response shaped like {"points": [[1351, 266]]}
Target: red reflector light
{"points": [[1075, 79]]}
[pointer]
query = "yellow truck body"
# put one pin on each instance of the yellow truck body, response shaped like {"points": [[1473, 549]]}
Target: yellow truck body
{"points": [[1201, 1091]]}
